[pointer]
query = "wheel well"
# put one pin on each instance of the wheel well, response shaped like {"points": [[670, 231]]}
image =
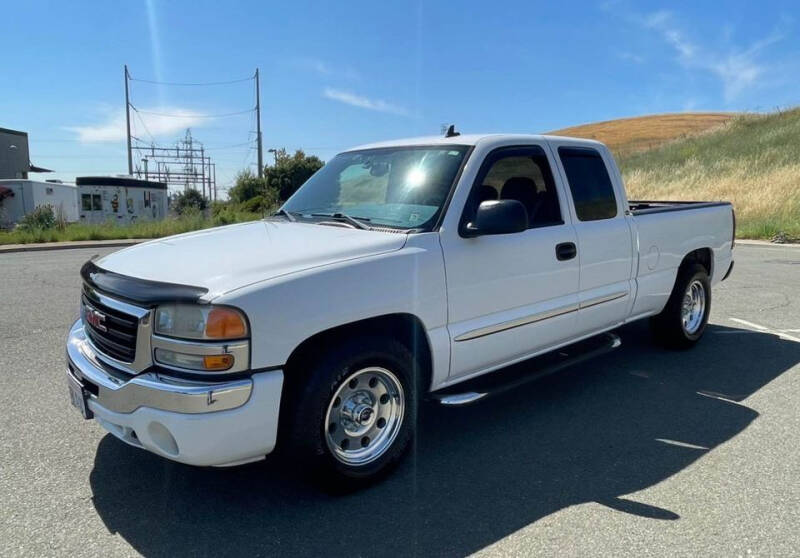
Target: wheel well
{"points": [[406, 328], [702, 256]]}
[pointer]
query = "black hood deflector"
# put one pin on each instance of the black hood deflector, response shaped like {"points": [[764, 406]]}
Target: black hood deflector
{"points": [[141, 292]]}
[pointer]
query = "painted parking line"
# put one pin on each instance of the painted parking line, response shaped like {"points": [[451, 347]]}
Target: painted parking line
{"points": [[779, 332], [681, 444], [750, 324]]}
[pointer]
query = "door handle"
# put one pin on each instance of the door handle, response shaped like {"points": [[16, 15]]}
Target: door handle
{"points": [[566, 251]]}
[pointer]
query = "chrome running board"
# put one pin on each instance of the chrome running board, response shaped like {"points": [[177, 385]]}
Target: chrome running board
{"points": [[506, 379]]}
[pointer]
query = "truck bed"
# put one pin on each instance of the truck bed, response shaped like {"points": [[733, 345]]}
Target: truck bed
{"points": [[665, 238], [638, 207]]}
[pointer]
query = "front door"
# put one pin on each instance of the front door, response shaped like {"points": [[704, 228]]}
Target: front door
{"points": [[511, 295]]}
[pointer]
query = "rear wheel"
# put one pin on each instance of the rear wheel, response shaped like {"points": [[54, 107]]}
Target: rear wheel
{"points": [[353, 414], [683, 320]]}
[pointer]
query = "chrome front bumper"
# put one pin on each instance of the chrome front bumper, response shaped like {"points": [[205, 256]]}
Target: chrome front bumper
{"points": [[120, 393]]}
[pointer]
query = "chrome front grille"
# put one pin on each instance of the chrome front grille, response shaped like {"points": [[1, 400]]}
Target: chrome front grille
{"points": [[112, 331]]}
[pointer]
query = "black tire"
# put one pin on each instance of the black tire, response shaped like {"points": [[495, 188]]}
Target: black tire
{"points": [[313, 391], [668, 326]]}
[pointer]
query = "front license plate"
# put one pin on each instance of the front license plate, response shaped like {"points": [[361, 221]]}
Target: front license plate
{"points": [[78, 396]]}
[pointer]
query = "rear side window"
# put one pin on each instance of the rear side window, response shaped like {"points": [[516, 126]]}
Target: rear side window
{"points": [[589, 182]]}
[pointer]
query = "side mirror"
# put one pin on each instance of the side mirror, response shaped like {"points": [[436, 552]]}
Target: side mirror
{"points": [[497, 217], [378, 169]]}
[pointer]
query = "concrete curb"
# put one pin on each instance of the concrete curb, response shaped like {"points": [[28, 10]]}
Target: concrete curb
{"points": [[11, 248], [766, 243]]}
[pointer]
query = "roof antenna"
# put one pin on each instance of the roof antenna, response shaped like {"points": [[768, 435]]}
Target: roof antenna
{"points": [[451, 131]]}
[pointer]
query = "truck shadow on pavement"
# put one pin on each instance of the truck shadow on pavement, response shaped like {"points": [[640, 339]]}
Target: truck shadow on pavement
{"points": [[592, 433]]}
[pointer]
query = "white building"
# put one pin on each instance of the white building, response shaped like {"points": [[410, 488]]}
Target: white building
{"points": [[120, 200], [20, 197]]}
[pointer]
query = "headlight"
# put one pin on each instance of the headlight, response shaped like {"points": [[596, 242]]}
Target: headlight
{"points": [[186, 321]]}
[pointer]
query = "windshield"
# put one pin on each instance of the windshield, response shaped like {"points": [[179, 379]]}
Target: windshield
{"points": [[398, 187]]}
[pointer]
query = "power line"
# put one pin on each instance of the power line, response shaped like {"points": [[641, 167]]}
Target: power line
{"points": [[185, 164], [146, 129], [192, 114], [198, 84], [231, 146]]}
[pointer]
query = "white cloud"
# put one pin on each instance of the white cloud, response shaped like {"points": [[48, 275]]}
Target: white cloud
{"points": [[360, 101], [314, 65], [325, 69], [737, 69], [144, 124], [632, 57]]}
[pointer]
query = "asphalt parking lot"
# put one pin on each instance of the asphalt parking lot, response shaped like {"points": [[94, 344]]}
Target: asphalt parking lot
{"points": [[639, 452]]}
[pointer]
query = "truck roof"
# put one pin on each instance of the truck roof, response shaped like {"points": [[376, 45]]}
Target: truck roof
{"points": [[470, 139]]}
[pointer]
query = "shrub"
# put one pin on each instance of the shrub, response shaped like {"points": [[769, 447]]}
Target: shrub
{"points": [[188, 201], [257, 204], [41, 218], [225, 216]]}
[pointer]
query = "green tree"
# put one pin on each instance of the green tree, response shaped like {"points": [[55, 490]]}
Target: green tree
{"points": [[290, 171], [189, 200], [247, 187], [280, 180]]}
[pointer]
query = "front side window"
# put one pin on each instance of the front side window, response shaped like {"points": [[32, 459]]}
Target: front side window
{"points": [[397, 187], [589, 182], [522, 174], [97, 202], [86, 202]]}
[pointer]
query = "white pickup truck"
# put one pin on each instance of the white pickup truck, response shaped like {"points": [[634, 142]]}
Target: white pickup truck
{"points": [[400, 271]]}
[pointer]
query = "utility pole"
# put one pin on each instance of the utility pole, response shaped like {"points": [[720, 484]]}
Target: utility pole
{"points": [[214, 179], [128, 121], [258, 127], [203, 172]]}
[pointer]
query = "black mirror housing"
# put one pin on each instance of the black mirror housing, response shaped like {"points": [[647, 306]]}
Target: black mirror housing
{"points": [[497, 217]]}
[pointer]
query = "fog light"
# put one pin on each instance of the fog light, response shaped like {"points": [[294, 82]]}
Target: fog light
{"points": [[214, 363]]}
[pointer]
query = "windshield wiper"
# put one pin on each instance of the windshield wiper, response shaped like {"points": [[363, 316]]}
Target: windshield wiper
{"points": [[287, 214], [357, 222]]}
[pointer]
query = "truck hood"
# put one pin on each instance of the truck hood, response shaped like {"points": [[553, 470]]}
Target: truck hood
{"points": [[226, 258]]}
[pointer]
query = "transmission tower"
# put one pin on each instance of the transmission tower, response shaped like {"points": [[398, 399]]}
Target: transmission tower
{"points": [[186, 166]]}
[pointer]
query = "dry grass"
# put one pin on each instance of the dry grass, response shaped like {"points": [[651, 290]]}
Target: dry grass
{"points": [[754, 162], [627, 135]]}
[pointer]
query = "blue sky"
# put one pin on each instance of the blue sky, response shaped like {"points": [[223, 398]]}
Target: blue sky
{"points": [[339, 74]]}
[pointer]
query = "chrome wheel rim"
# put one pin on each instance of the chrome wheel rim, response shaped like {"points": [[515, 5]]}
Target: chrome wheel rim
{"points": [[364, 416], [694, 307]]}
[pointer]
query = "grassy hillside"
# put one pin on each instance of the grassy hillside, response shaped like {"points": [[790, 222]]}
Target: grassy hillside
{"points": [[752, 161], [627, 135]]}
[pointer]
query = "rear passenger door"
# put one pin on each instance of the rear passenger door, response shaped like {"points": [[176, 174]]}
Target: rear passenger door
{"points": [[605, 249]]}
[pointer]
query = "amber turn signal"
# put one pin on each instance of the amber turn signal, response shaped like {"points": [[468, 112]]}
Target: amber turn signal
{"points": [[225, 323], [217, 362]]}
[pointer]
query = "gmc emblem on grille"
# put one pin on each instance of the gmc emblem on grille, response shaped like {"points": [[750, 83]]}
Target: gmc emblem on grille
{"points": [[96, 319]]}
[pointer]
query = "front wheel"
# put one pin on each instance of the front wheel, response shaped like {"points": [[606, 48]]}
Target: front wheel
{"points": [[354, 413], [683, 320], [364, 416]]}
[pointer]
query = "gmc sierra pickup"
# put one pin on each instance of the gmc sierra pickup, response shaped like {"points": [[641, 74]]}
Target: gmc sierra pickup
{"points": [[400, 271]]}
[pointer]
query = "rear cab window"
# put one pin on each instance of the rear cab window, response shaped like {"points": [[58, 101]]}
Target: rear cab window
{"points": [[589, 183]]}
